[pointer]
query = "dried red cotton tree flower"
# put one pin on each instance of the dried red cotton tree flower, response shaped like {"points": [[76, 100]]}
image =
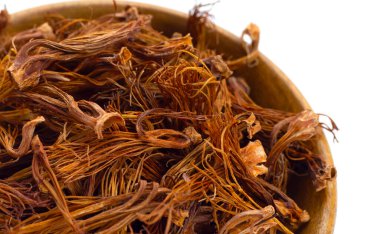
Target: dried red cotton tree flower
{"points": [[109, 126]]}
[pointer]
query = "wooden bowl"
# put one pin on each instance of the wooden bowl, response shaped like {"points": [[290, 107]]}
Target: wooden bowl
{"points": [[269, 87]]}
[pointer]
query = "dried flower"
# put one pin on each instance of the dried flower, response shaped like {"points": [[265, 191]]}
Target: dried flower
{"points": [[108, 126]]}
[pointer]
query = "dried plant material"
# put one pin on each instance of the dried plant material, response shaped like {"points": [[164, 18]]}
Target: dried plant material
{"points": [[253, 155], [40, 161], [4, 17], [44, 31], [198, 24], [194, 136], [251, 221], [8, 141], [301, 127], [17, 198], [253, 126], [320, 171], [103, 215], [16, 116], [285, 211], [218, 67], [127, 130], [252, 49], [166, 138], [27, 67], [61, 102]]}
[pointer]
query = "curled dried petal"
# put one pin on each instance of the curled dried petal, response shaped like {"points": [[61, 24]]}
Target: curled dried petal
{"points": [[218, 67], [253, 155], [320, 171], [300, 127], [52, 100], [253, 126], [167, 138], [295, 216], [251, 221], [106, 120], [124, 56], [27, 134], [194, 136], [253, 32]]}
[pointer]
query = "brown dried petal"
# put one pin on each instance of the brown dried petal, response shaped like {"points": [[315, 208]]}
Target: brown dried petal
{"points": [[320, 171], [301, 127], [27, 135], [253, 126], [52, 99], [105, 121], [218, 67], [253, 155], [167, 138], [295, 216], [194, 136], [253, 221], [124, 56], [253, 32]]}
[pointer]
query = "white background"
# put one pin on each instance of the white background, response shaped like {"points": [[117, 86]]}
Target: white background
{"points": [[330, 50]]}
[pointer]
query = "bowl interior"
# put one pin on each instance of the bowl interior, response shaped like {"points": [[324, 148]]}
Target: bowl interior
{"points": [[269, 88]]}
